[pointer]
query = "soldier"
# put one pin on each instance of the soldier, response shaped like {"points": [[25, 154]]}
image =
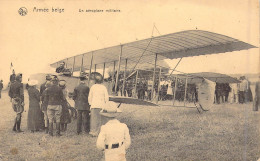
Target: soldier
{"points": [[114, 136], [243, 87], [65, 115], [80, 96], [1, 87], [12, 77], [16, 94], [53, 99], [43, 86], [256, 103], [44, 107]]}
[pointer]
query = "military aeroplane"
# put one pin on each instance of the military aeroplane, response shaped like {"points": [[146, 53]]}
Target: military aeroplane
{"points": [[147, 54]]}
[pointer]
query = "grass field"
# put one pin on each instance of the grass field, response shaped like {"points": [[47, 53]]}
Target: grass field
{"points": [[226, 132]]}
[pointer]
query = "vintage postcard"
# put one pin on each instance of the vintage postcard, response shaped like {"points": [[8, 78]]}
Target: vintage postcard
{"points": [[129, 80]]}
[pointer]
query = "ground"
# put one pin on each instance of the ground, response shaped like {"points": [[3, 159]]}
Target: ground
{"points": [[226, 132]]}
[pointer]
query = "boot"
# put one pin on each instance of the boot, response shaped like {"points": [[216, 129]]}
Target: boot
{"points": [[18, 126], [62, 127], [58, 129], [15, 123], [51, 129]]}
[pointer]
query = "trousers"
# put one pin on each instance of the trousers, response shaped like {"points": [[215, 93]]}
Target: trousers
{"points": [[95, 121], [54, 112], [83, 116]]}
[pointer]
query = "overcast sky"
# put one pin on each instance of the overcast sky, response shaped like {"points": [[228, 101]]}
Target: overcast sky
{"points": [[34, 41]]}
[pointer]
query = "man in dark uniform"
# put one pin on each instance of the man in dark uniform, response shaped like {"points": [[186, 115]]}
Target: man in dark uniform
{"points": [[43, 86], [218, 93], [12, 77], [256, 103], [1, 87], [53, 99], [16, 94], [80, 97]]}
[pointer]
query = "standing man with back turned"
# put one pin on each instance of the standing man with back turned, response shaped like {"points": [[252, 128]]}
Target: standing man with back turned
{"points": [[53, 99], [80, 97], [16, 94]]}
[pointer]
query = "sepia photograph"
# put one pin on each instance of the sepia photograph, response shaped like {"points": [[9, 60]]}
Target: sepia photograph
{"points": [[111, 80]]}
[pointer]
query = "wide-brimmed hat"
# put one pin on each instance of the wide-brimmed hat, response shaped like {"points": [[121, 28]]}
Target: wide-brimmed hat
{"points": [[32, 82], [97, 77], [110, 110]]}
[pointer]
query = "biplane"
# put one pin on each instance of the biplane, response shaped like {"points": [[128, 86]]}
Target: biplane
{"points": [[148, 54]]}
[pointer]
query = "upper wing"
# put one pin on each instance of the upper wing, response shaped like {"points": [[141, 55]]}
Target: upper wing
{"points": [[141, 54]]}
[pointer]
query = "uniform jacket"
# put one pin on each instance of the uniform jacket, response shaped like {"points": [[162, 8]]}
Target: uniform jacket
{"points": [[42, 88], [54, 95], [243, 86], [81, 93], [114, 132], [44, 104], [1, 86], [12, 78], [16, 90], [98, 96], [257, 90]]}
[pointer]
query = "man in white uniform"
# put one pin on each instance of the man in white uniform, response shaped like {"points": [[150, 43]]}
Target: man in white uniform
{"points": [[114, 136]]}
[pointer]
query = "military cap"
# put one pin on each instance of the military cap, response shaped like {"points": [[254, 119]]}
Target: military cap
{"points": [[62, 83], [48, 77]]}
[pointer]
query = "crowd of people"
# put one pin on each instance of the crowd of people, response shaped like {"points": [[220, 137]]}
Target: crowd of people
{"points": [[49, 106], [224, 92], [96, 115]]}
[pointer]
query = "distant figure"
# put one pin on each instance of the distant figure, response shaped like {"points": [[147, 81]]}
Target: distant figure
{"points": [[218, 92], [129, 88], [80, 96], [256, 103], [12, 77], [16, 93], [54, 98], [98, 96], [27, 84], [243, 87], [114, 136], [226, 89], [34, 120], [233, 94], [1, 87], [65, 114]]}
